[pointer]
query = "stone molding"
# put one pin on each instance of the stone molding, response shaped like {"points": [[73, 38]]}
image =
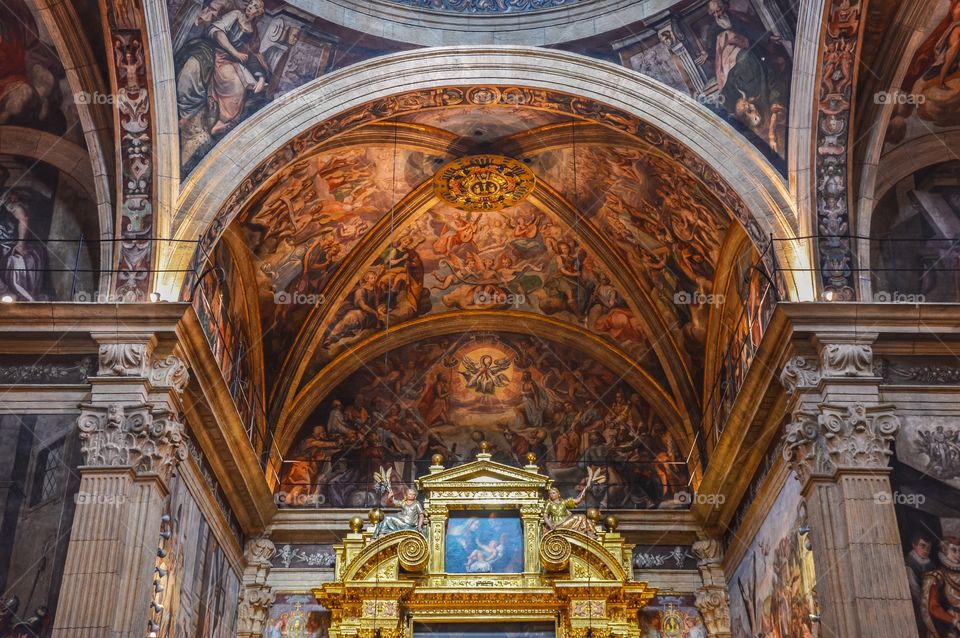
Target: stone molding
{"points": [[822, 442], [799, 372]]}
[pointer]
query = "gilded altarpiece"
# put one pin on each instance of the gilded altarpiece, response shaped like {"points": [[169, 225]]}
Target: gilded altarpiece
{"points": [[385, 587]]}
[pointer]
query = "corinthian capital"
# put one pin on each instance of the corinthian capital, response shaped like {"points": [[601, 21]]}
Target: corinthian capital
{"points": [[714, 604], [131, 436], [255, 602], [819, 443]]}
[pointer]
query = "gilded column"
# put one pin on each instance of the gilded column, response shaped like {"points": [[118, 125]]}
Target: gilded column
{"points": [[712, 598], [532, 517], [256, 596], [838, 443], [131, 440], [437, 518]]}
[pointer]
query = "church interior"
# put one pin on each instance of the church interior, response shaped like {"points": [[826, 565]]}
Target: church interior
{"points": [[479, 318]]}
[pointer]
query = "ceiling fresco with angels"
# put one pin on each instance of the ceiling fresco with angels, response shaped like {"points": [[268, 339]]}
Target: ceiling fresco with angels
{"points": [[521, 394], [351, 241], [233, 57]]}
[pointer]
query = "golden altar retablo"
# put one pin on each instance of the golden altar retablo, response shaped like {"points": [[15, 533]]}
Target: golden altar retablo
{"points": [[584, 586]]}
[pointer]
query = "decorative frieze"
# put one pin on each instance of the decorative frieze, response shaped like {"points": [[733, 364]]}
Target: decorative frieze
{"points": [[305, 556], [858, 437], [49, 370]]}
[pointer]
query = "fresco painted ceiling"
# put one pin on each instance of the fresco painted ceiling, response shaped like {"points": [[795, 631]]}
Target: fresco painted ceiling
{"points": [[735, 58], [618, 244]]}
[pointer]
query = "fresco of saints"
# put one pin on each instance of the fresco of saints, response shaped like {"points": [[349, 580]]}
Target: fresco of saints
{"points": [[941, 593], [22, 261], [217, 73], [753, 71]]}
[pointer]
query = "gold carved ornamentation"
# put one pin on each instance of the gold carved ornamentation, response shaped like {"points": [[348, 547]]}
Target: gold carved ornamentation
{"points": [[580, 582], [484, 182]]}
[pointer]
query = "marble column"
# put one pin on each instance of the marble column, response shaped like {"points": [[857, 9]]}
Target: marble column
{"points": [[131, 438], [256, 596], [712, 598], [839, 444]]}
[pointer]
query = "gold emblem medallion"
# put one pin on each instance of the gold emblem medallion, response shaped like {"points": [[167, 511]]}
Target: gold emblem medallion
{"points": [[671, 622], [484, 182]]}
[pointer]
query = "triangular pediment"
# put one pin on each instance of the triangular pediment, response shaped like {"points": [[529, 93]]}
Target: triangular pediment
{"points": [[483, 471]]}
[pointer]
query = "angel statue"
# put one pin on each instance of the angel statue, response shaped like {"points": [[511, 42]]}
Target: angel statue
{"points": [[558, 514], [411, 514], [485, 377]]}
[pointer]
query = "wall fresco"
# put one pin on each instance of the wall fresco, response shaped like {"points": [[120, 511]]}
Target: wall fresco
{"points": [[521, 394]]}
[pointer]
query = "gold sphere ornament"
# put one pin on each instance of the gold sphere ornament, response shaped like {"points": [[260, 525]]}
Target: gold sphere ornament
{"points": [[612, 523], [593, 514], [484, 182], [484, 447], [356, 524], [531, 458], [375, 515], [437, 459]]}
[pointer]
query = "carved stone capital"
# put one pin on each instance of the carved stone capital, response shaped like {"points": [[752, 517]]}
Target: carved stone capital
{"points": [[259, 551], [124, 355], [150, 442], [846, 356], [713, 601], [799, 372], [255, 602], [708, 552], [835, 437]]}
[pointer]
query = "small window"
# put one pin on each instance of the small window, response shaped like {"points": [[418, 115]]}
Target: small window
{"points": [[47, 473]]}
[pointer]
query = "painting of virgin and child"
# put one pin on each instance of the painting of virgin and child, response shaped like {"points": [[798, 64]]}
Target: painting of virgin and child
{"points": [[484, 543]]}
